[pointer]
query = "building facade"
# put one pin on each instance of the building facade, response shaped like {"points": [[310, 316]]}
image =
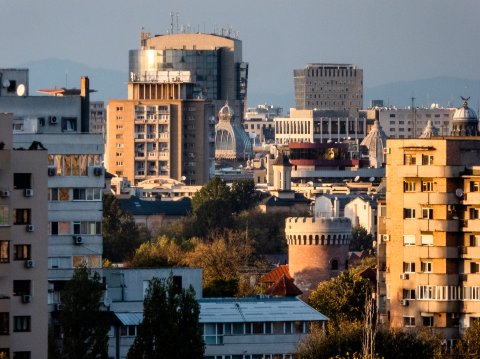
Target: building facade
{"points": [[336, 87], [23, 247], [97, 117], [431, 234]]}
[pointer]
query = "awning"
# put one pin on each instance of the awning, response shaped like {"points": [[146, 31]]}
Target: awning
{"points": [[130, 318]]}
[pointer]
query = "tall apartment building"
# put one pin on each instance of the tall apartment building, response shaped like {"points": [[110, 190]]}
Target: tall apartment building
{"points": [[23, 247], [178, 83], [75, 176], [433, 230], [336, 87], [97, 117]]}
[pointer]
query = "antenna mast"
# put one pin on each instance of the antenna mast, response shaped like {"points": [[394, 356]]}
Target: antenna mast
{"points": [[414, 117]]}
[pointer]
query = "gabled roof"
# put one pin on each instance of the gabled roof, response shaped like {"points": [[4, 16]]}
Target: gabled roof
{"points": [[274, 275], [137, 207], [284, 287]]}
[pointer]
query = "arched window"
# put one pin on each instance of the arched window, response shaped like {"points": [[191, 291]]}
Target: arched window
{"points": [[316, 239], [310, 239], [334, 264]]}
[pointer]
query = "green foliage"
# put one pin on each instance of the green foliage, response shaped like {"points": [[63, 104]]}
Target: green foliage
{"points": [[341, 298], [243, 195], [121, 236], [162, 252], [405, 344], [170, 326], [361, 240], [215, 189], [83, 326], [469, 345]]}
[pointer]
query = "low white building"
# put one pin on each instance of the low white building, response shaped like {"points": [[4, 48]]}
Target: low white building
{"points": [[362, 211]]}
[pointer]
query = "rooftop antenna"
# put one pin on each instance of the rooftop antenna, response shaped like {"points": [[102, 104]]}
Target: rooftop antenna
{"points": [[66, 79], [176, 13], [414, 117], [171, 22]]}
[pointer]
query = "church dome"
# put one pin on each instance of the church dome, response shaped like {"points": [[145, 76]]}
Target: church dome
{"points": [[375, 143], [226, 111], [429, 130], [465, 121]]}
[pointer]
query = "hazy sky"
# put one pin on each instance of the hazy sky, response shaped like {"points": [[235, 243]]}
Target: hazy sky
{"points": [[390, 39]]}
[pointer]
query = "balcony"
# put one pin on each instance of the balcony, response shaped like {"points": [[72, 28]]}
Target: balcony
{"points": [[438, 225], [152, 154], [163, 136], [139, 154], [437, 306], [471, 198], [441, 198], [140, 136], [436, 252], [163, 154], [151, 136], [471, 225]]}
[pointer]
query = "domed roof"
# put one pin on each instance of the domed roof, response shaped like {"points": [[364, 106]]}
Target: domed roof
{"points": [[429, 131], [465, 113], [375, 142], [226, 111], [465, 121]]}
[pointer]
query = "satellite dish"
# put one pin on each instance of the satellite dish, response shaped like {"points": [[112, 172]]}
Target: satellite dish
{"points": [[107, 301], [21, 89], [356, 179], [183, 178], [459, 192], [6, 83], [371, 179]]}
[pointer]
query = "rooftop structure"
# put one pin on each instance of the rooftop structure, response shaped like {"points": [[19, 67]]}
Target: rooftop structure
{"points": [[375, 143]]}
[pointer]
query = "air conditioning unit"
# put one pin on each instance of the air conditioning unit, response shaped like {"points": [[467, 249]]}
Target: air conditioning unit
{"points": [[385, 237], [404, 276], [52, 171], [77, 240], [29, 263], [28, 192], [387, 150], [4, 193], [26, 298], [59, 306], [30, 228], [52, 120], [404, 302], [97, 171]]}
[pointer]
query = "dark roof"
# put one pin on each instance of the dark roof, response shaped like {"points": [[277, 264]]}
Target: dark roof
{"points": [[282, 160], [136, 206], [108, 175], [274, 201], [284, 287], [368, 273]]}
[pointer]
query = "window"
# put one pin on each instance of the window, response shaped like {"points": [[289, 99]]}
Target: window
{"points": [[58, 194], [59, 262], [474, 213], [408, 294], [409, 267], [426, 292], [409, 159], [21, 287], [334, 265], [426, 239], [474, 186], [408, 213], [474, 267], [128, 330], [4, 323], [21, 355], [408, 321], [427, 160], [427, 213], [21, 252], [21, 323], [427, 321], [427, 186], [4, 251], [22, 180], [88, 228], [21, 216], [426, 267], [87, 194], [4, 216], [474, 240], [409, 239], [69, 124], [408, 186], [91, 261]]}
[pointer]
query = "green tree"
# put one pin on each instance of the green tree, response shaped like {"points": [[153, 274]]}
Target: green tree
{"points": [[469, 345], [121, 236], [83, 326], [170, 326], [243, 194], [341, 298], [162, 252], [215, 189], [361, 239]]}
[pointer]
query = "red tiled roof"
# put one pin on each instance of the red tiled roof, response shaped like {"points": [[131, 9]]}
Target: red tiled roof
{"points": [[284, 287], [274, 275]]}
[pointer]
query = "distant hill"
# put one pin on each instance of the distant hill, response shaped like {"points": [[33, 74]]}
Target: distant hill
{"points": [[51, 73], [111, 84]]}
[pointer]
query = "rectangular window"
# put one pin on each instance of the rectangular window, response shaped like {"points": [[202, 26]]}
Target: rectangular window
{"points": [[87, 194], [408, 321], [409, 159], [474, 213], [408, 294], [4, 323], [58, 194], [408, 213], [22, 216], [21, 355], [21, 287], [474, 267], [87, 228], [427, 186], [409, 267], [426, 267], [22, 180], [474, 240], [408, 186], [474, 186], [427, 160], [426, 292], [409, 239], [426, 239], [4, 251], [21, 252], [21, 323], [427, 321], [427, 213], [69, 124], [4, 216]]}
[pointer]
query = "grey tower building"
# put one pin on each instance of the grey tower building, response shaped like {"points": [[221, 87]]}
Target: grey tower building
{"points": [[336, 87]]}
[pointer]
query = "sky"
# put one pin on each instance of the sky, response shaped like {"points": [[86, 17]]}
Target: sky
{"points": [[392, 40]]}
